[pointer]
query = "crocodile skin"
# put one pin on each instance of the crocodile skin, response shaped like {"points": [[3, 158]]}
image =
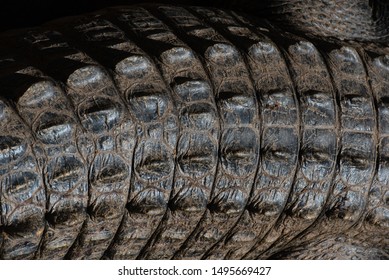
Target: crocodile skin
{"points": [[360, 20], [169, 132]]}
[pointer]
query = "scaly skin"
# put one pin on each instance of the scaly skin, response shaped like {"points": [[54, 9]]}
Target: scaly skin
{"points": [[160, 132]]}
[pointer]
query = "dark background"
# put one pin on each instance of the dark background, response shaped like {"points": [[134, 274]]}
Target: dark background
{"points": [[18, 14]]}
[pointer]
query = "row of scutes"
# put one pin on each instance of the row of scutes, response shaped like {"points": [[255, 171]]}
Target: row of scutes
{"points": [[158, 132]]}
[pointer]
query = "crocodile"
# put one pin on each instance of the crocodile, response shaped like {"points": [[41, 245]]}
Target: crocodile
{"points": [[155, 131]]}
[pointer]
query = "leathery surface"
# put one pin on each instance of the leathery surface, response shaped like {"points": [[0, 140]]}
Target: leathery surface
{"points": [[168, 132]]}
